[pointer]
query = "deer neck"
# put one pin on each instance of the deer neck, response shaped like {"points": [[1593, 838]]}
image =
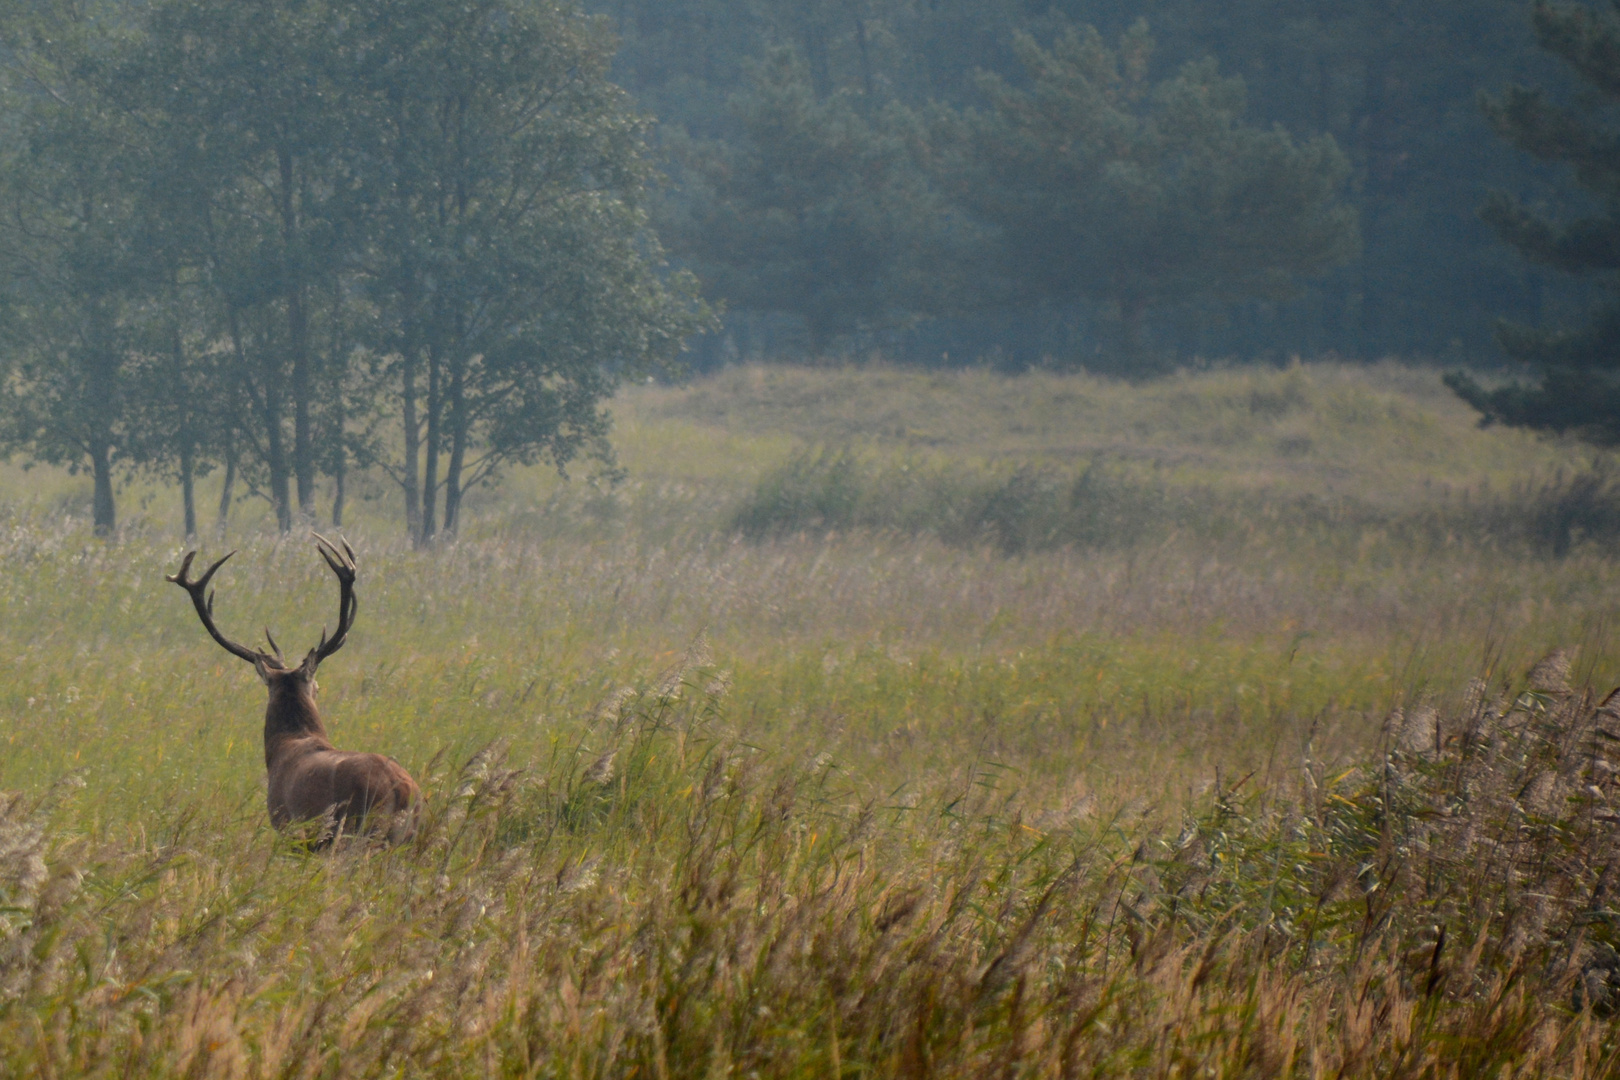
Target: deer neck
{"points": [[292, 722]]}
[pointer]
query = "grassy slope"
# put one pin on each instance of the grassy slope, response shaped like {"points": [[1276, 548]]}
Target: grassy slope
{"points": [[1383, 433], [1049, 663], [1040, 694]]}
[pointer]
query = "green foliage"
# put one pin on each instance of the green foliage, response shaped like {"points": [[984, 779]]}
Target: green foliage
{"points": [[1393, 84], [1029, 508], [267, 232], [1575, 383], [505, 247], [76, 269], [818, 209], [1103, 186]]}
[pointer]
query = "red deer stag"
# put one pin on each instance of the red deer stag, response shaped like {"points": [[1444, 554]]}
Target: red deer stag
{"points": [[310, 778]]}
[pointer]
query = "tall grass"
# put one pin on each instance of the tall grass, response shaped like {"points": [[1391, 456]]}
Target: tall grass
{"points": [[778, 761], [656, 895]]}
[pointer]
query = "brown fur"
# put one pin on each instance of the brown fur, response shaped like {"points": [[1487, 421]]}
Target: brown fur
{"points": [[311, 779]]}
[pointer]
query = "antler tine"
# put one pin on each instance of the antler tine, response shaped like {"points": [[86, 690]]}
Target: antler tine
{"points": [[202, 598], [342, 564], [185, 567], [272, 642]]}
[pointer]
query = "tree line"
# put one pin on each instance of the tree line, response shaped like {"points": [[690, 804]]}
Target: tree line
{"points": [[997, 176], [289, 238], [1394, 84], [1088, 184], [286, 239]]}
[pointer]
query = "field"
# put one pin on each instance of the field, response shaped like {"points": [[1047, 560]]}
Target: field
{"points": [[877, 723]]}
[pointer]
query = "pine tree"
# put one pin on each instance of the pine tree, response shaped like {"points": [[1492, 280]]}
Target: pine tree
{"points": [[1103, 186], [1575, 374]]}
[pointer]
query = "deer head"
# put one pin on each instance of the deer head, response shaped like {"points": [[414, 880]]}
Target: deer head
{"points": [[309, 778]]}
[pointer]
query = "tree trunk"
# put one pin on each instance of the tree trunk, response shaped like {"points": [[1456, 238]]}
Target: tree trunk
{"points": [[430, 468], [1378, 165], [867, 83], [337, 493], [303, 437], [303, 458], [815, 51], [104, 513], [340, 461], [188, 489], [336, 369], [100, 407], [188, 446], [413, 440], [276, 453], [458, 447], [270, 415], [1132, 312], [227, 491]]}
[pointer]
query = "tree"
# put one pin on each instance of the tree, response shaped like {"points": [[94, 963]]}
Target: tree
{"points": [[1103, 186], [504, 244], [74, 273], [184, 397], [819, 209], [1575, 374], [247, 102]]}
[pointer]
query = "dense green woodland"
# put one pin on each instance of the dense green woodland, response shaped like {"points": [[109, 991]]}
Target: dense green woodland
{"points": [[288, 239], [1395, 85]]}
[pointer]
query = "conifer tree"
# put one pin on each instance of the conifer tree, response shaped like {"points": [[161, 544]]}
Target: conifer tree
{"points": [[1104, 186], [1575, 373]]}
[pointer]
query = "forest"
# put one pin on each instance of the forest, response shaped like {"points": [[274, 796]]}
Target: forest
{"points": [[281, 242], [1380, 103]]}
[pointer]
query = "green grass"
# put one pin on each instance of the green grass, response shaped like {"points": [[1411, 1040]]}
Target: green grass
{"points": [[888, 795]]}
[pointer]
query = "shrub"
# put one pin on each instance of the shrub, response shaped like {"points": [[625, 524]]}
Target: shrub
{"points": [[1029, 508]]}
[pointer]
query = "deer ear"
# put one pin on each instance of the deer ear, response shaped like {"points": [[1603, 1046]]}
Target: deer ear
{"points": [[262, 669]]}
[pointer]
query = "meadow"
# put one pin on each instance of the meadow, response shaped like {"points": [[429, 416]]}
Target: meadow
{"points": [[878, 722]]}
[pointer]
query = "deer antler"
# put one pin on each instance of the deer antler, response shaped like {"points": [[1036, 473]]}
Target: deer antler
{"points": [[205, 608], [343, 565]]}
